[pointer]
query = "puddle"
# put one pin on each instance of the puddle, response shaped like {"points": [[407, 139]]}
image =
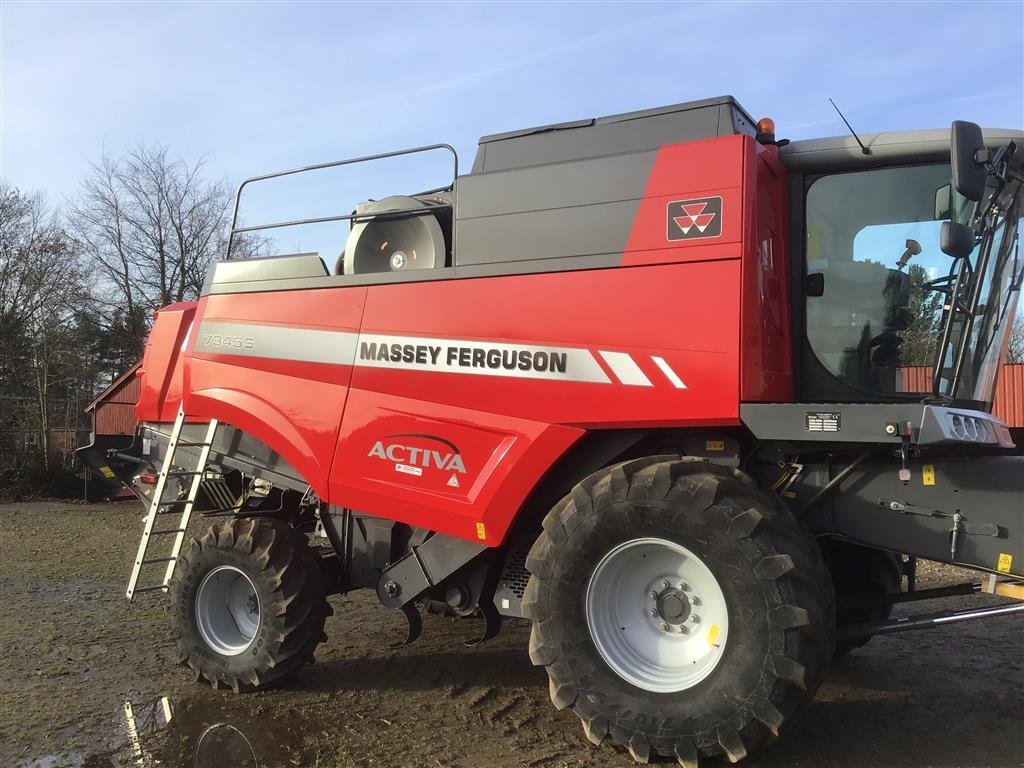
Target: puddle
{"points": [[197, 732], [205, 731]]}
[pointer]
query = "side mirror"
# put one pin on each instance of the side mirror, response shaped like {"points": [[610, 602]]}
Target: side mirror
{"points": [[968, 155], [956, 240]]}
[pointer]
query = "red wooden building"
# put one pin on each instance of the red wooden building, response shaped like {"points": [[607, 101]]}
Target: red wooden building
{"points": [[113, 425]]}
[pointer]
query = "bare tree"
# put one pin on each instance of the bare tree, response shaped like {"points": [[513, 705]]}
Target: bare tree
{"points": [[42, 288], [1015, 348], [152, 223]]}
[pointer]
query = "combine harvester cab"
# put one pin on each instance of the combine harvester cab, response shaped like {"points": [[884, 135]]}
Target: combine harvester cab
{"points": [[640, 380]]}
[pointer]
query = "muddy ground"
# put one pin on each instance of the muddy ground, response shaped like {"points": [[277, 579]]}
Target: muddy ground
{"points": [[72, 652]]}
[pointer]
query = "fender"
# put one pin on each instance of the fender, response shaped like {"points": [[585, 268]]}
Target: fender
{"points": [[265, 422]]}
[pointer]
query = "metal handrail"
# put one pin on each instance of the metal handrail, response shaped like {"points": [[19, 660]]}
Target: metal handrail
{"points": [[235, 229]]}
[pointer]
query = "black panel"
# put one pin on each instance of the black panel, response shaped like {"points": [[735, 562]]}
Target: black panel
{"points": [[979, 499]]}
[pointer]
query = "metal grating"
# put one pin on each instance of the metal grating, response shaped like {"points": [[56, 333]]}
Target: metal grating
{"points": [[514, 575]]}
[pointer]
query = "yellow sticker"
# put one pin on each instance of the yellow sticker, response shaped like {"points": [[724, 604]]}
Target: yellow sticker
{"points": [[715, 445], [790, 494], [481, 531], [1005, 562], [713, 634], [928, 474], [106, 471]]}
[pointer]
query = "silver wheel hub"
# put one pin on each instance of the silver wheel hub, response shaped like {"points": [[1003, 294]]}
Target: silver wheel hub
{"points": [[657, 615], [398, 261], [227, 610]]}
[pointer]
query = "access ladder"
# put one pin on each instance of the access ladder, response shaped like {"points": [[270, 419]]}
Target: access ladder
{"points": [[159, 507]]}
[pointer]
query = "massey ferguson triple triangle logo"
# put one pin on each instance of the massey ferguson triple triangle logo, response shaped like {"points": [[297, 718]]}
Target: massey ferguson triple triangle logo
{"points": [[690, 219]]}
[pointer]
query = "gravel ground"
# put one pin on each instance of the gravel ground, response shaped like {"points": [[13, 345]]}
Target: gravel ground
{"points": [[74, 652]]}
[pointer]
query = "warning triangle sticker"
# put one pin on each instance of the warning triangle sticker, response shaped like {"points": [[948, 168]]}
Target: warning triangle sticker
{"points": [[453, 481]]}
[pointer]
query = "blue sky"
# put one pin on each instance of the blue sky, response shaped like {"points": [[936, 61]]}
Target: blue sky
{"points": [[264, 86]]}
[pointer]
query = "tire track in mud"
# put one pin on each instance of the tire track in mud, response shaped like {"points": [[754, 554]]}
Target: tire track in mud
{"points": [[434, 703]]}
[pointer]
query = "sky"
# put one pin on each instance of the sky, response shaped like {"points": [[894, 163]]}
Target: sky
{"points": [[256, 87]]}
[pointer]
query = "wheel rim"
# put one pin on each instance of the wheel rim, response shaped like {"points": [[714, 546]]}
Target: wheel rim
{"points": [[657, 615], [227, 610]]}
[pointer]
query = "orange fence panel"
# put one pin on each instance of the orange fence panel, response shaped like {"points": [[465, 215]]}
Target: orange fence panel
{"points": [[1009, 401]]}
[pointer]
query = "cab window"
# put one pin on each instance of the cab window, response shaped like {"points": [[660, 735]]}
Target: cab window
{"points": [[872, 246]]}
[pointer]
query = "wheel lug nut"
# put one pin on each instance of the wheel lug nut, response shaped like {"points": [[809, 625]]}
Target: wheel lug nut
{"points": [[683, 630], [664, 584], [653, 612], [695, 600], [664, 627], [694, 618], [653, 595]]}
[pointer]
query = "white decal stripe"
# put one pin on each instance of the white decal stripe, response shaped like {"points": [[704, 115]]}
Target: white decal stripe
{"points": [[625, 368], [412, 353], [669, 373], [309, 345]]}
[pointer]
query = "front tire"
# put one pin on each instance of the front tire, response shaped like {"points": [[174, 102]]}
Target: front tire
{"points": [[746, 666], [248, 604]]}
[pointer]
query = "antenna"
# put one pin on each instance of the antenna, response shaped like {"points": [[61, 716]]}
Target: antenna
{"points": [[865, 150]]}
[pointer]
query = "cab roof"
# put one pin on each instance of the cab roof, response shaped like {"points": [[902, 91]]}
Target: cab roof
{"points": [[839, 153]]}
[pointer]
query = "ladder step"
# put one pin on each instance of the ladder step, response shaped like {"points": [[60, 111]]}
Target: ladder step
{"points": [[184, 473], [165, 531], [159, 560], [193, 445], [150, 588]]}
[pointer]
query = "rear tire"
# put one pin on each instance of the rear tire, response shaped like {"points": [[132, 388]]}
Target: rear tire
{"points": [[248, 604], [774, 649]]}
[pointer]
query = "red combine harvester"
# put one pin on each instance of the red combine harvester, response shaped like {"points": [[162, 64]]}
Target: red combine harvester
{"points": [[635, 379]]}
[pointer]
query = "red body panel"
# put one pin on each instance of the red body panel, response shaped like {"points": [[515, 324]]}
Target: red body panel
{"points": [[294, 407], [455, 439], [162, 370], [766, 353]]}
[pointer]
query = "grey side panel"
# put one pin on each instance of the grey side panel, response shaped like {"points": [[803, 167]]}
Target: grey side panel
{"points": [[615, 134], [290, 267], [579, 183], [555, 233], [867, 422], [972, 515], [578, 208], [232, 449], [296, 268], [464, 272]]}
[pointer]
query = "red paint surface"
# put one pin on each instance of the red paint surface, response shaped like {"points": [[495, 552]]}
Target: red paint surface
{"points": [[681, 300]]}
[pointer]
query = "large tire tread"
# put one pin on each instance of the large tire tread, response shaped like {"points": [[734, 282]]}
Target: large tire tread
{"points": [[790, 675], [297, 611]]}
